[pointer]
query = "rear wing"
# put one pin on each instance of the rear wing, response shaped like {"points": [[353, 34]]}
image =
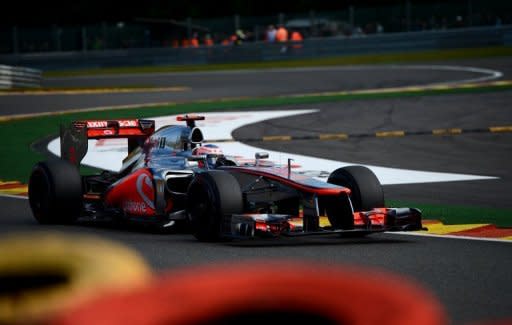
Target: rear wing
{"points": [[74, 137]]}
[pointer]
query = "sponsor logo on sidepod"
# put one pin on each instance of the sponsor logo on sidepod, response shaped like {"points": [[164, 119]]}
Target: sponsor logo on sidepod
{"points": [[135, 207]]}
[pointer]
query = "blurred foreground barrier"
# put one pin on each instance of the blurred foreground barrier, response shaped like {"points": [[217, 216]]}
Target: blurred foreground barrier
{"points": [[265, 292], [45, 273], [19, 77]]}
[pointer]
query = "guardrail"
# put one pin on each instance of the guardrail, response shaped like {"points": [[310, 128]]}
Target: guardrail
{"points": [[261, 51], [19, 77]]}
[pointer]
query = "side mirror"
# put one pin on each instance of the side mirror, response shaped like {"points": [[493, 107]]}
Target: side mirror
{"points": [[261, 155]]}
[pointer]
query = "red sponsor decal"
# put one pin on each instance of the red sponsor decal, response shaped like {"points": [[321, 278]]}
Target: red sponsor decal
{"points": [[133, 207], [134, 194], [128, 123], [97, 124]]}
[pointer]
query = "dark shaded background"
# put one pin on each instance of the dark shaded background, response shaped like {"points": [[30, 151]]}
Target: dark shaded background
{"points": [[79, 12]]}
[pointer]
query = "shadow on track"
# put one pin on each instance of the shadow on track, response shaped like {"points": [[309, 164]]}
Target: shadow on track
{"points": [[314, 241]]}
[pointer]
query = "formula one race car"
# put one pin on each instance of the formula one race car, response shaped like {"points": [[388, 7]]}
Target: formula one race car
{"points": [[171, 176]]}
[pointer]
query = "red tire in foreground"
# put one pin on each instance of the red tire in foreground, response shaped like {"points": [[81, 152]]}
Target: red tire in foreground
{"points": [[266, 292]]}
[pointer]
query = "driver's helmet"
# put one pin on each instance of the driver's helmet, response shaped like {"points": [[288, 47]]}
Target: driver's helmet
{"points": [[212, 153], [207, 149]]}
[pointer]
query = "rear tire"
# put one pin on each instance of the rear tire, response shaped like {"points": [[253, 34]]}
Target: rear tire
{"points": [[55, 192], [212, 195]]}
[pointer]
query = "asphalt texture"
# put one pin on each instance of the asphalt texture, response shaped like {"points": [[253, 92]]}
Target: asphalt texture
{"points": [[470, 278]]}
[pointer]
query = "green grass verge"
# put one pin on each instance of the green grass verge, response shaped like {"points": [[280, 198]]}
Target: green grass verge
{"points": [[381, 58], [18, 136], [453, 215]]}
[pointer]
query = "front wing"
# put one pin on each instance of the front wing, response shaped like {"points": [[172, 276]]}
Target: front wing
{"points": [[273, 225]]}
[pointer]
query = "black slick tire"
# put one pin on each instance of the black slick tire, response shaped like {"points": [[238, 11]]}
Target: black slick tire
{"points": [[55, 192], [365, 187], [212, 196]]}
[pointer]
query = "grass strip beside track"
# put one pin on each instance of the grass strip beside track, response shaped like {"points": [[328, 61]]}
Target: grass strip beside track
{"points": [[19, 135], [452, 215], [381, 58]]}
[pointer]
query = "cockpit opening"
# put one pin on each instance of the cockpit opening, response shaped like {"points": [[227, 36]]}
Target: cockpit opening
{"points": [[196, 136]]}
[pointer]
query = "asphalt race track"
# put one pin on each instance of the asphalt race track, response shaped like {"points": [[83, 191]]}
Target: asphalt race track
{"points": [[471, 278], [237, 84]]}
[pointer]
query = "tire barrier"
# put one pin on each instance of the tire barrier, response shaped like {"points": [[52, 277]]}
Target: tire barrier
{"points": [[265, 292], [19, 77], [44, 273]]}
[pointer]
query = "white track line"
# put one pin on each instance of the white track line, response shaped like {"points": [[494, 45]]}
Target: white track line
{"points": [[494, 73], [14, 196], [491, 74], [451, 236]]}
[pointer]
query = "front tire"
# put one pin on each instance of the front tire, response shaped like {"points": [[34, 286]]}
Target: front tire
{"points": [[365, 186], [212, 195], [55, 192], [366, 194]]}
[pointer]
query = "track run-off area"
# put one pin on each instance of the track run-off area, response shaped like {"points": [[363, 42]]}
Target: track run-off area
{"points": [[427, 147]]}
